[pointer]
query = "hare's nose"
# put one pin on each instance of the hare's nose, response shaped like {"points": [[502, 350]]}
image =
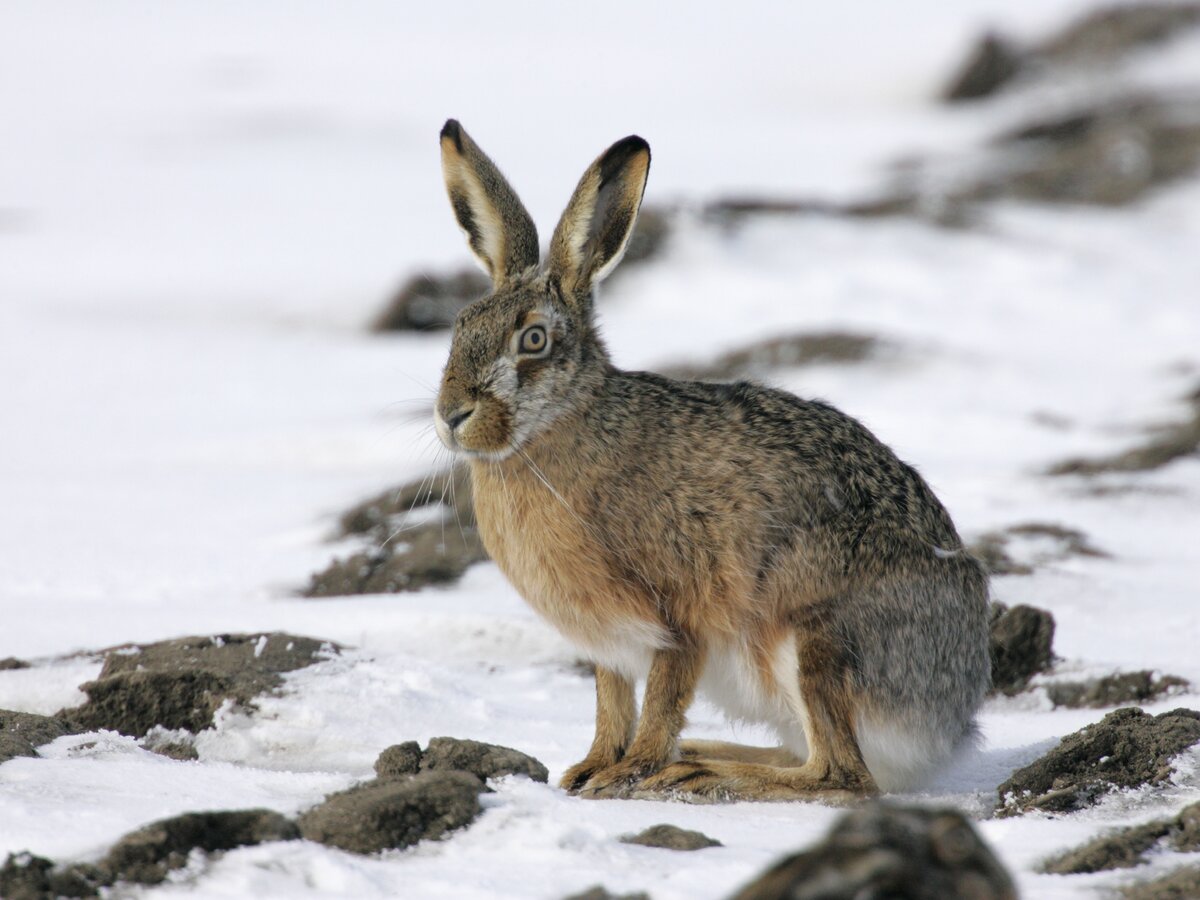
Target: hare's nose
{"points": [[459, 416]]}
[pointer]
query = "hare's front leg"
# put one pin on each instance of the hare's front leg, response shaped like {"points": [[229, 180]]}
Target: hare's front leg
{"points": [[670, 687], [616, 715]]}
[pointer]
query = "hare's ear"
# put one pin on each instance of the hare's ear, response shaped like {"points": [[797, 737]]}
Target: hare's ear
{"points": [[595, 227], [501, 233]]}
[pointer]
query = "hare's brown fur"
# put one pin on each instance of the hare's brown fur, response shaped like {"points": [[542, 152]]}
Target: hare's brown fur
{"points": [[727, 537]]}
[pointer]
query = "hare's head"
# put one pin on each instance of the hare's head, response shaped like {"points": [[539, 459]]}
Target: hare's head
{"points": [[528, 351]]}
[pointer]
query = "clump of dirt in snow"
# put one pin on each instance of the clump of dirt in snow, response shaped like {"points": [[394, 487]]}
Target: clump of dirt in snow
{"points": [[403, 554], [1021, 644], [179, 684], [1100, 38], [394, 813], [805, 349], [671, 837], [914, 852], [1165, 444], [1127, 748], [482, 760], [430, 302], [600, 892], [145, 856], [1128, 847], [416, 796], [1182, 884], [1114, 690], [1020, 549], [22, 733]]}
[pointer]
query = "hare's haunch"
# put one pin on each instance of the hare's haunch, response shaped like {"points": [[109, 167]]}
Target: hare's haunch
{"points": [[729, 538]]}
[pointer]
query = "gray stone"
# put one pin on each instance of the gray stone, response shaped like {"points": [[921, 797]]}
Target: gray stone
{"points": [[394, 813]]}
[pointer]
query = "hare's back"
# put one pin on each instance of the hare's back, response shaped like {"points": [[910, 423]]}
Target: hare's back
{"points": [[792, 451]]}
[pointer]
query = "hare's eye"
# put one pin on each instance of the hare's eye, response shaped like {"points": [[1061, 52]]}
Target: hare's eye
{"points": [[533, 339]]}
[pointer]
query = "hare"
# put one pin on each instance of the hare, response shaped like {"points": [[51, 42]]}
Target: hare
{"points": [[734, 539]]}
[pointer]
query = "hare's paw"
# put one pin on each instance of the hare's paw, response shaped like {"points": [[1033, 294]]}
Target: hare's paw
{"points": [[689, 779], [618, 780], [578, 775]]}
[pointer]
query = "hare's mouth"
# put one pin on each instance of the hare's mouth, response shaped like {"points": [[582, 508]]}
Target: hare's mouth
{"points": [[477, 431]]}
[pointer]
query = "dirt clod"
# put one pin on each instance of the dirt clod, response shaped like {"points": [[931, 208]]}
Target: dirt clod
{"points": [[427, 302], [179, 684], [147, 855], [602, 893], [405, 556], [24, 876], [890, 851], [482, 760], [671, 837], [1114, 690], [758, 359], [395, 813], [22, 733], [1165, 444], [1127, 847], [1021, 645], [399, 760], [1128, 748], [1182, 884]]}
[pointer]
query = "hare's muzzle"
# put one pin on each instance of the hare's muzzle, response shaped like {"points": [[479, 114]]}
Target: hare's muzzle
{"points": [[447, 421]]}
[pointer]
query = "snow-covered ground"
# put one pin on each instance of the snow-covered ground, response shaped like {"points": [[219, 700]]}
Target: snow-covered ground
{"points": [[201, 205]]}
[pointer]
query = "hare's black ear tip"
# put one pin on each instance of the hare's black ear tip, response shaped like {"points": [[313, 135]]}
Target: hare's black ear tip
{"points": [[453, 131], [631, 145], [620, 154]]}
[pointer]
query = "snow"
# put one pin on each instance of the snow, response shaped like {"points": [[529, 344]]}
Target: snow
{"points": [[199, 208]]}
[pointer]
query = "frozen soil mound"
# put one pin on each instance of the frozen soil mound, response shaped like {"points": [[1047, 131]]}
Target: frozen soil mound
{"points": [[179, 684], [418, 795], [22, 733], [890, 851], [1128, 748], [1128, 847], [404, 805]]}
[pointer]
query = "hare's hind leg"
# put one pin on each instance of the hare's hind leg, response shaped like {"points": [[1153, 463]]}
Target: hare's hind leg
{"points": [[834, 769], [722, 750]]}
